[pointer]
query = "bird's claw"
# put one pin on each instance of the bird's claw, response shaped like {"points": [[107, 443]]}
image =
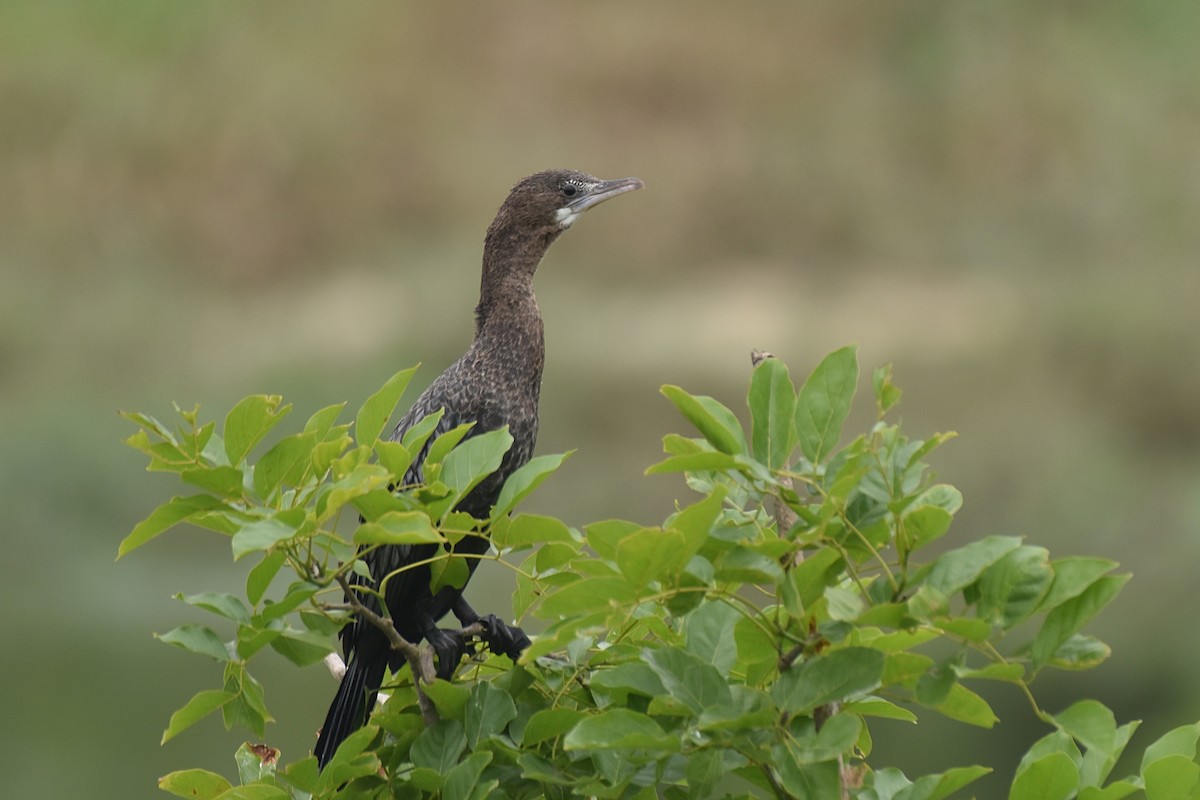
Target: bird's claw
{"points": [[449, 647], [503, 638]]}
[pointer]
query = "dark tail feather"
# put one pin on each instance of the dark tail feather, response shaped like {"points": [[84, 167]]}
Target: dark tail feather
{"points": [[349, 710]]}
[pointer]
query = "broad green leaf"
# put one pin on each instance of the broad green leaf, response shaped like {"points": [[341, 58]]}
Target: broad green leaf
{"points": [[200, 706], [1072, 576], [194, 784], [379, 407], [439, 746], [249, 421], [960, 567], [450, 699], [709, 634], [444, 444], [529, 530], [284, 464], [829, 677], [166, 516], [886, 392], [521, 483], [772, 403], [462, 780], [221, 603], [222, 480], [694, 462], [1013, 588], [266, 533], [587, 595], [694, 683], [301, 647], [1113, 791], [964, 705], [489, 710], [320, 423], [1171, 778], [1091, 723], [1065, 621], [649, 554], [399, 527], [743, 565], [256, 763], [260, 577], [197, 639], [549, 723], [718, 424], [1054, 777], [473, 460], [1179, 741], [604, 536], [451, 571], [619, 728], [808, 781], [633, 676], [824, 402], [878, 707], [254, 791]]}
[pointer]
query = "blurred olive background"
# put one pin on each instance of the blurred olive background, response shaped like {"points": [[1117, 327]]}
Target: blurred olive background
{"points": [[207, 200]]}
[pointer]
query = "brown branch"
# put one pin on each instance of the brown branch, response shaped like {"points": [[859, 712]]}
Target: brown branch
{"points": [[420, 660]]}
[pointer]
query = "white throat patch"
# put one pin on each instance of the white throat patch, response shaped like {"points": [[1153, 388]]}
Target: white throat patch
{"points": [[566, 216]]}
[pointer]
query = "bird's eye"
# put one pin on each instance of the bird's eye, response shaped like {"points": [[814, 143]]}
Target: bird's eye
{"points": [[569, 190]]}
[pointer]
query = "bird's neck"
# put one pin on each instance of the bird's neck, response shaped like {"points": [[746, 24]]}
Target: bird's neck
{"points": [[506, 300]]}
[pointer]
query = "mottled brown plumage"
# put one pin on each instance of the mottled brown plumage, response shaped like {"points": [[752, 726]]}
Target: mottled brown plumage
{"points": [[495, 383]]}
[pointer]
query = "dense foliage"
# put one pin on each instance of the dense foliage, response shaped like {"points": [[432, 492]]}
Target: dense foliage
{"points": [[739, 649]]}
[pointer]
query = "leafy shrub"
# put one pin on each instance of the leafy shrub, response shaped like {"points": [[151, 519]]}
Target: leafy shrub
{"points": [[739, 649]]}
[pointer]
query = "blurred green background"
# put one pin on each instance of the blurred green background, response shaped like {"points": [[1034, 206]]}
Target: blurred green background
{"points": [[206, 200]]}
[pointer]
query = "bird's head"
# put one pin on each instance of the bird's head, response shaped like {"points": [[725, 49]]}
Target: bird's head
{"points": [[545, 204]]}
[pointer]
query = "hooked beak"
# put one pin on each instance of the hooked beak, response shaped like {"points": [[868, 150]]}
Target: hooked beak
{"points": [[602, 191]]}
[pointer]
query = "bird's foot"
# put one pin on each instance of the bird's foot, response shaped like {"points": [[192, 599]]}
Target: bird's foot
{"points": [[502, 638], [449, 647]]}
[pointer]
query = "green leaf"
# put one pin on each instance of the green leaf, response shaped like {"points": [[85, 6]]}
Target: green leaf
{"points": [[588, 594], [829, 677], [528, 530], [649, 554], [1171, 778], [1179, 741], [1012, 588], [1080, 652], [619, 728], [1053, 777], [942, 785], [718, 424], [249, 421], [220, 603], [266, 533], [254, 791], [549, 723], [709, 634], [260, 577], [301, 647], [955, 569], [284, 464], [379, 407], [166, 516], [475, 459], [399, 527], [439, 746], [200, 706], [488, 711], [824, 402], [772, 403], [194, 784], [463, 778], [450, 699], [320, 423], [633, 677], [256, 763], [694, 683], [1066, 620], [522, 482], [1091, 723], [887, 394], [962, 704], [1072, 576], [222, 480], [444, 444], [197, 639], [694, 462]]}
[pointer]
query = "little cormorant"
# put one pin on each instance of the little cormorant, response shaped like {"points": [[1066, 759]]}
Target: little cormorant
{"points": [[495, 383]]}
